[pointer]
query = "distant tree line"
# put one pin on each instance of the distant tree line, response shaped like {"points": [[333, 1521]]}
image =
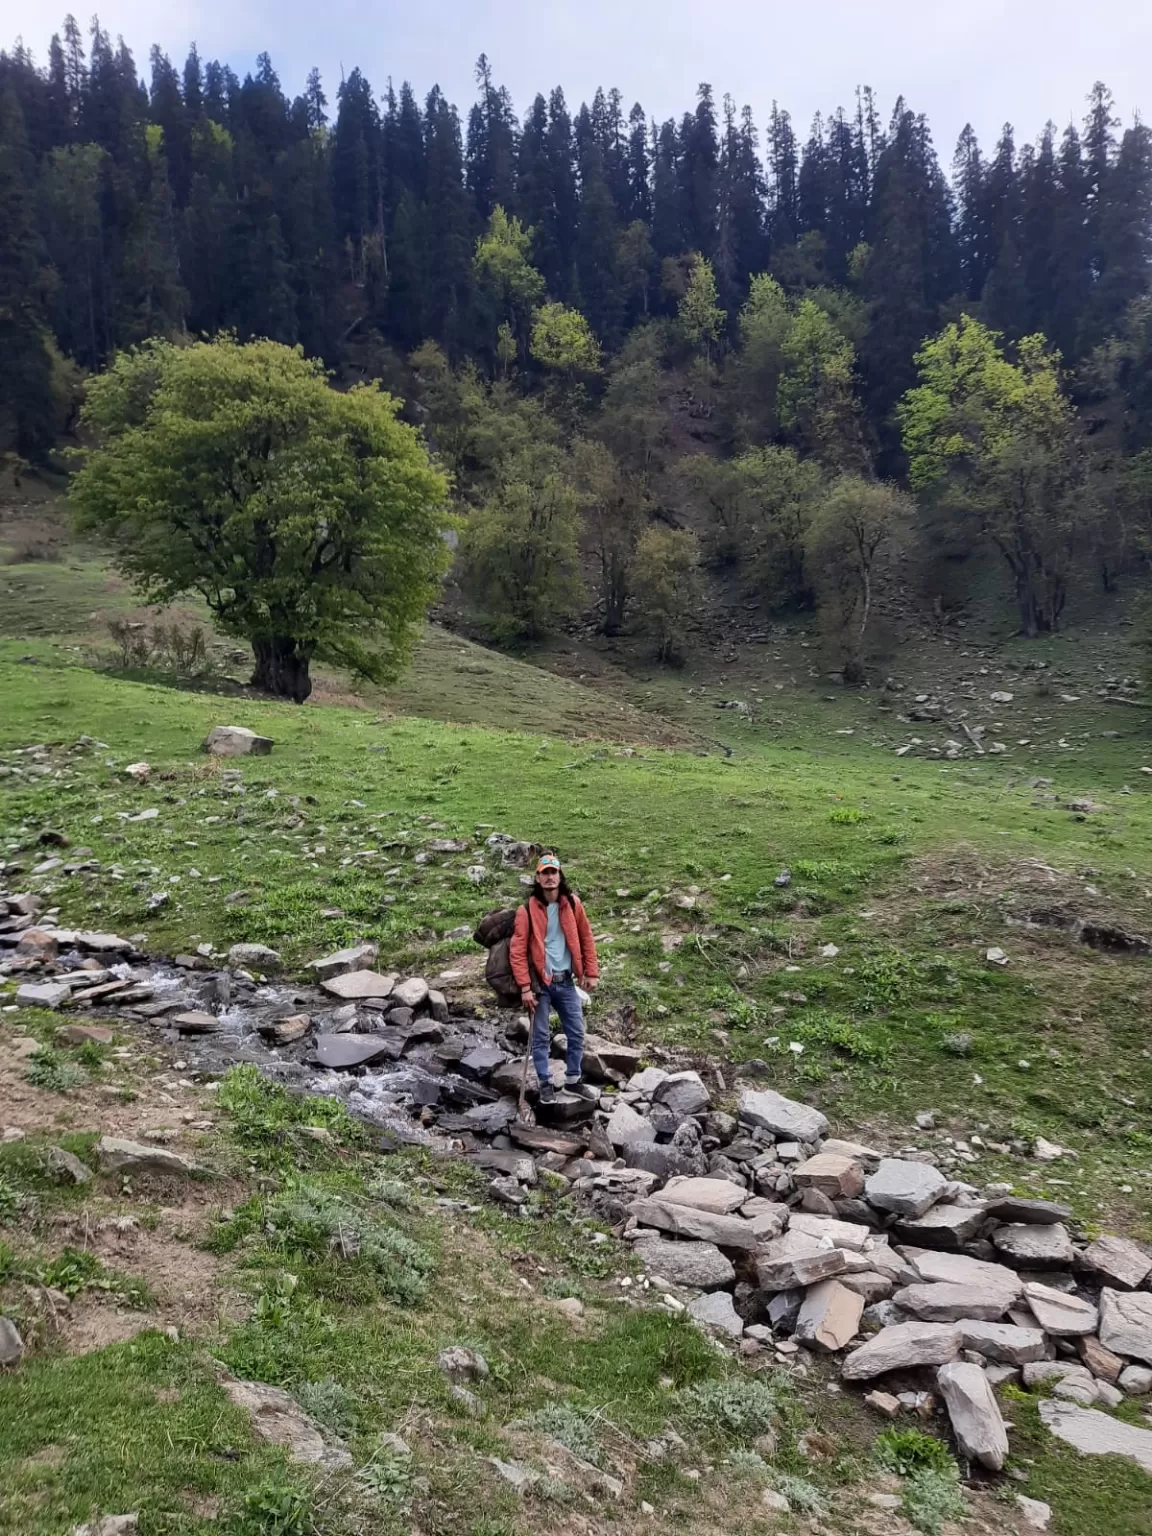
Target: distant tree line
{"points": [[548, 292]]}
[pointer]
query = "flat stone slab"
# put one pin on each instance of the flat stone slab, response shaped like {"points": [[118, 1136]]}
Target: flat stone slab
{"points": [[944, 1303], [115, 1155], [829, 1316], [715, 1310], [798, 1270], [1126, 1323], [358, 957], [352, 986], [1063, 1316], [1003, 1342], [280, 1420], [840, 1178], [719, 1196], [626, 1125], [1032, 1246], [959, 1269], [906, 1189], [724, 1231], [683, 1094], [411, 993], [196, 1022], [783, 1117], [1120, 1261], [947, 1227], [1016, 1208], [902, 1346], [345, 1051], [698, 1264], [844, 1234], [84, 1034], [1097, 1434], [47, 994], [975, 1414]]}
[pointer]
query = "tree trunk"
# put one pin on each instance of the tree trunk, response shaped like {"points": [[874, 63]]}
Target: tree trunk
{"points": [[282, 668]]}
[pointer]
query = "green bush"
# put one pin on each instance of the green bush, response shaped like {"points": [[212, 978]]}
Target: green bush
{"points": [[333, 1405], [49, 1070], [741, 1407], [930, 1498], [905, 1451], [275, 1509], [573, 1427]]}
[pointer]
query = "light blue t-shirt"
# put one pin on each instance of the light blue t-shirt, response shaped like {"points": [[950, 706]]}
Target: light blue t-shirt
{"points": [[556, 950]]}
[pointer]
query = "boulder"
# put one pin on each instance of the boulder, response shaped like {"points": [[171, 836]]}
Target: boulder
{"points": [[698, 1264], [1015, 1208], [115, 1155], [715, 1310], [1035, 1512], [842, 1234], [665, 1160], [974, 1414], [1136, 1380], [342, 1052], [1121, 1262], [767, 1223], [683, 1221], [625, 1125], [871, 1285], [1032, 1246], [66, 1166], [1093, 1433], [460, 1363], [906, 1189], [83, 1034], [46, 994], [254, 957], [1003, 1342], [959, 1269], [1063, 1316], [614, 1056], [944, 1303], [829, 1316], [798, 1270], [646, 1082], [715, 1195], [236, 741], [354, 986], [11, 1344], [280, 1420], [196, 1022], [783, 1117], [1126, 1323], [902, 1346], [285, 1031], [39, 943], [682, 1094], [1103, 1364], [840, 1178], [360, 957], [411, 993], [948, 1227]]}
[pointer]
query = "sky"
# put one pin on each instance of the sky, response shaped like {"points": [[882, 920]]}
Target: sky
{"points": [[982, 61]]}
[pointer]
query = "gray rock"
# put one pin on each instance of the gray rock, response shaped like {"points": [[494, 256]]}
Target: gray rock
{"points": [[783, 1117], [948, 1227], [354, 986], [47, 994], [843, 1234], [109, 1525], [665, 1160], [1121, 1262], [459, 1363], [1135, 1380], [646, 1082], [520, 1478], [829, 1318], [11, 1344], [1103, 1364], [682, 1094], [1064, 1317], [1093, 1433], [1032, 1246], [66, 1166], [1015, 1208], [698, 1264], [1126, 1323], [783, 1310], [907, 1189], [625, 1125], [974, 1414], [831, 1175], [254, 957], [196, 1022], [871, 1285], [797, 1271], [715, 1310], [344, 1051], [286, 1031], [902, 1346], [411, 993], [959, 1269], [475, 1407], [115, 1155], [279, 1419], [944, 1303], [438, 1006], [1066, 1378], [236, 741], [1003, 1342], [718, 1196], [853, 1149], [360, 957], [724, 1231], [1036, 1513]]}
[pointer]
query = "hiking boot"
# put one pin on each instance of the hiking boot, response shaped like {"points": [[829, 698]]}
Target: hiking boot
{"points": [[547, 1094], [582, 1090]]}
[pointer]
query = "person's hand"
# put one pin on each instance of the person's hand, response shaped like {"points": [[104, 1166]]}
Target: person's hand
{"points": [[590, 983], [529, 999]]}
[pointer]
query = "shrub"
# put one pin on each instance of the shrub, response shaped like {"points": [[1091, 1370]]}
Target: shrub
{"points": [[573, 1427], [905, 1451], [49, 1070], [275, 1509], [742, 1407], [930, 1498], [330, 1403]]}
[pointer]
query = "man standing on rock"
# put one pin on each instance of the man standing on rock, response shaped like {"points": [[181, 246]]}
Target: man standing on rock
{"points": [[552, 950]]}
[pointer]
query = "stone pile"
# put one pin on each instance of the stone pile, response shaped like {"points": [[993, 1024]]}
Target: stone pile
{"points": [[759, 1223]]}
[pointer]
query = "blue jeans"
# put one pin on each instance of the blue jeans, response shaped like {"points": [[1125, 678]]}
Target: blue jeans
{"points": [[562, 997]]}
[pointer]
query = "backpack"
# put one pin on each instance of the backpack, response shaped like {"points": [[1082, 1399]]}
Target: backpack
{"points": [[495, 933]]}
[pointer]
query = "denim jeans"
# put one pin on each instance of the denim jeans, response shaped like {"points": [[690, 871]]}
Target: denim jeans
{"points": [[564, 999]]}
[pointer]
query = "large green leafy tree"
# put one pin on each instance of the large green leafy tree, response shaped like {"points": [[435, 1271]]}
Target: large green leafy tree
{"points": [[310, 521], [999, 438]]}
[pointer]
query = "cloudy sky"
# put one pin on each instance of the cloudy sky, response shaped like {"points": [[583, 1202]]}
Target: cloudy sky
{"points": [[987, 61]]}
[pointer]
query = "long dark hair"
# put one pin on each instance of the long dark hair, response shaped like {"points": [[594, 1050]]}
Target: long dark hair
{"points": [[565, 890]]}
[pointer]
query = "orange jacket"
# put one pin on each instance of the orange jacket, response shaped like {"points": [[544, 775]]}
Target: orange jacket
{"points": [[527, 946]]}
